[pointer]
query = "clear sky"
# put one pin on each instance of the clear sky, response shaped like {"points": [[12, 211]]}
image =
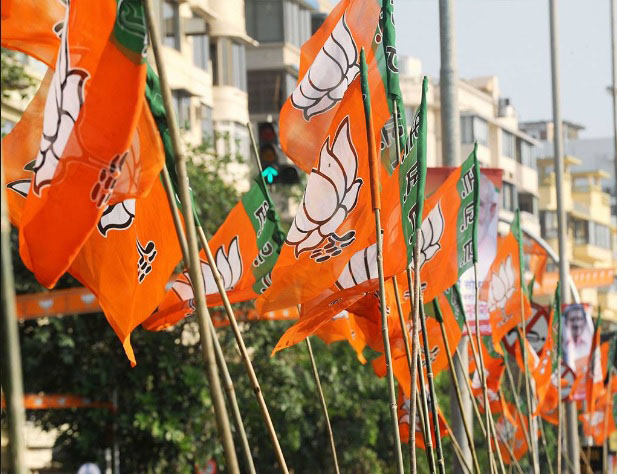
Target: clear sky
{"points": [[510, 39]]}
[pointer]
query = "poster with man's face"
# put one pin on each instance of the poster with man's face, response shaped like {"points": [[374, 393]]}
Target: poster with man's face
{"points": [[577, 335]]}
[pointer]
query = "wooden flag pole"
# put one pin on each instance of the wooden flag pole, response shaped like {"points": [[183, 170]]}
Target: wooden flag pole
{"points": [[220, 359], [517, 402], [376, 204], [324, 406], [545, 446], [428, 438], [193, 264], [248, 365], [408, 353], [11, 358], [459, 397], [457, 449], [431, 386], [482, 372]]}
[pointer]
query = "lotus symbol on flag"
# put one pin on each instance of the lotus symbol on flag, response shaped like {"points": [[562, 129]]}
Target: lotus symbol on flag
{"points": [[229, 265], [118, 216], [64, 101], [502, 285], [505, 430], [362, 266], [430, 234], [331, 194], [334, 68]]}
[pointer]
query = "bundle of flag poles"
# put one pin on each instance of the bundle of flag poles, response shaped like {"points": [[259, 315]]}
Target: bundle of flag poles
{"points": [[378, 254]]}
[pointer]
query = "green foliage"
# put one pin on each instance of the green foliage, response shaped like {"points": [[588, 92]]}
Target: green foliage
{"points": [[14, 77]]}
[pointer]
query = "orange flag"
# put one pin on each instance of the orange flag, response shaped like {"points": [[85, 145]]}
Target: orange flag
{"points": [[403, 422], [245, 249], [446, 252], [344, 327], [509, 427], [82, 152], [127, 261], [504, 288], [594, 376], [599, 422]]}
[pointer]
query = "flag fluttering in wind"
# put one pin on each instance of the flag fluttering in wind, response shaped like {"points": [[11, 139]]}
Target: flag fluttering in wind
{"points": [[403, 422], [504, 285], [344, 327], [245, 249], [93, 106], [128, 260], [594, 377], [334, 221], [509, 427]]}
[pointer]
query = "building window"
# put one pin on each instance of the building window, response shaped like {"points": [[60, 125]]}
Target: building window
{"points": [[171, 24], [508, 144], [527, 202], [509, 197], [267, 90], [548, 224], [297, 23], [201, 51], [242, 141], [474, 129], [182, 106], [525, 154], [228, 63], [601, 235], [580, 229], [317, 19], [207, 125], [264, 20]]}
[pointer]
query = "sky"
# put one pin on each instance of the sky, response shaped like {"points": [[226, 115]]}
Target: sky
{"points": [[510, 39]]}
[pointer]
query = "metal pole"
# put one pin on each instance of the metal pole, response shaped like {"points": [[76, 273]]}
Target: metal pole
{"points": [[116, 444], [194, 266], [448, 87], [324, 407], [450, 156], [614, 84], [564, 267], [11, 357]]}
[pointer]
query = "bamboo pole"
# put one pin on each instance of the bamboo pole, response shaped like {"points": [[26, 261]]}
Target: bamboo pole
{"points": [[517, 402], [428, 438], [459, 397], [376, 205], [244, 353], [193, 264], [545, 446], [11, 356], [431, 385], [408, 354], [324, 406], [482, 373], [457, 449], [220, 359]]}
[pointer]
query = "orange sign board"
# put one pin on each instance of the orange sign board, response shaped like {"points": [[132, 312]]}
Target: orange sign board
{"points": [[582, 277], [55, 402]]}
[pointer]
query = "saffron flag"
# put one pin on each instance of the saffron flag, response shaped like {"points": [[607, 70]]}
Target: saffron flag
{"points": [[509, 427], [344, 327], [127, 261], [334, 220], [245, 249], [82, 152], [404, 408], [507, 303], [594, 383]]}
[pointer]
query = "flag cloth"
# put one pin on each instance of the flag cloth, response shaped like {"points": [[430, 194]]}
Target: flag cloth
{"points": [[344, 327], [505, 286], [509, 427], [594, 378], [127, 261], [404, 407], [245, 249], [335, 221], [82, 152], [446, 243]]}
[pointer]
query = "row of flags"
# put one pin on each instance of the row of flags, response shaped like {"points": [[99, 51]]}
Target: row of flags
{"points": [[82, 170]]}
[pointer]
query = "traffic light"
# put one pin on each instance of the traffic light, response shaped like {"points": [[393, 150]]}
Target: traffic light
{"points": [[272, 158]]}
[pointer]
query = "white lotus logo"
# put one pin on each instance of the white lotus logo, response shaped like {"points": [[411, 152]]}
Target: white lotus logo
{"points": [[505, 430], [334, 68], [362, 266], [64, 101], [430, 234], [502, 286], [119, 216], [229, 265], [331, 193]]}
